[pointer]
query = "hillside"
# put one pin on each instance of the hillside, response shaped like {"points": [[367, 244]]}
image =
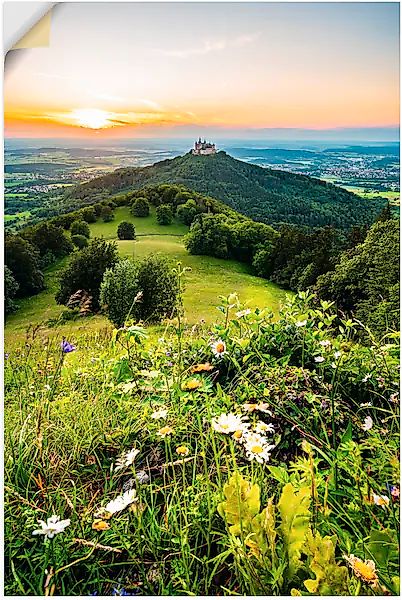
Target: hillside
{"points": [[266, 195]]}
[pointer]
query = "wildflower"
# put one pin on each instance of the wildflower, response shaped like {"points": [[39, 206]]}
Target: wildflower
{"points": [[366, 377], [218, 348], [160, 414], [395, 492], [201, 368], [363, 569], [182, 450], [228, 423], [191, 384], [243, 313], [126, 459], [262, 427], [257, 448], [319, 359], [165, 431], [257, 406], [393, 397], [238, 435], [120, 503], [301, 323], [368, 423], [52, 527], [99, 525], [337, 354], [325, 343], [366, 404], [66, 346], [380, 500]]}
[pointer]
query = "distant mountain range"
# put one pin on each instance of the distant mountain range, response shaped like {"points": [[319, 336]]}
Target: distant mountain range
{"points": [[266, 195]]}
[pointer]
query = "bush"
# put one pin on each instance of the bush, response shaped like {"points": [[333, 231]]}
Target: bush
{"points": [[187, 212], [88, 214], [10, 289], [164, 214], [46, 237], [158, 284], [107, 214], [126, 231], [85, 271], [23, 259], [118, 290], [80, 228], [140, 207], [80, 241], [153, 276]]}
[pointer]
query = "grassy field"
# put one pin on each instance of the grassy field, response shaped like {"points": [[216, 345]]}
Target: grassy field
{"points": [[208, 279]]}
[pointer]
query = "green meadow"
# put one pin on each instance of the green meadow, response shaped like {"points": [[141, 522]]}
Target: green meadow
{"points": [[206, 280]]}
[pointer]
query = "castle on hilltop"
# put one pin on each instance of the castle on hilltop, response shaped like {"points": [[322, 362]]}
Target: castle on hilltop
{"points": [[203, 147]]}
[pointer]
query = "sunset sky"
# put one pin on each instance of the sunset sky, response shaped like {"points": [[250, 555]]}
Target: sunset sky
{"points": [[127, 70]]}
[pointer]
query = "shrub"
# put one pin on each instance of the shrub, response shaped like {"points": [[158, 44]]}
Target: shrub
{"points": [[88, 214], [46, 237], [10, 289], [80, 228], [164, 214], [140, 207], [23, 259], [158, 284], [118, 290], [80, 241], [186, 212], [126, 231], [85, 271], [107, 214], [153, 277]]}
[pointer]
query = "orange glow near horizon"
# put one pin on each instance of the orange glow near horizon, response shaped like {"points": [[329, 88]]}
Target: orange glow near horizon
{"points": [[310, 66]]}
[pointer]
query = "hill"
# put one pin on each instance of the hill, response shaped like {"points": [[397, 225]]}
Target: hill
{"points": [[208, 279], [266, 195]]}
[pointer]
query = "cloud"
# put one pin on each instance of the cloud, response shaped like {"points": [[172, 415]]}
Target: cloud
{"points": [[213, 46]]}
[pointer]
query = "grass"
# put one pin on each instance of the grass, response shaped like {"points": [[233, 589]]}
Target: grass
{"points": [[208, 279], [69, 417]]}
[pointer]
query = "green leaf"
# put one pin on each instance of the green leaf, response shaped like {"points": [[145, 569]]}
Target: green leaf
{"points": [[241, 504], [294, 508], [330, 578]]}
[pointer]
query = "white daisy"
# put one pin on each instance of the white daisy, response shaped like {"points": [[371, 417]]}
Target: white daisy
{"points": [[126, 459], [121, 502], [229, 423], [325, 343], [262, 427], [319, 359], [380, 500], [160, 414], [52, 527], [243, 313], [368, 423], [337, 354], [257, 448], [218, 348], [301, 323]]}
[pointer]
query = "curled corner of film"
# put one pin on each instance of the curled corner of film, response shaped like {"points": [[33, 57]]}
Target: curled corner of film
{"points": [[27, 25]]}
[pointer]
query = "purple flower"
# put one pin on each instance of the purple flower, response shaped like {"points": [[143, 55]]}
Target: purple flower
{"points": [[66, 346], [6, 356]]}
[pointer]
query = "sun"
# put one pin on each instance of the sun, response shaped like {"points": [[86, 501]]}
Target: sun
{"points": [[92, 118]]}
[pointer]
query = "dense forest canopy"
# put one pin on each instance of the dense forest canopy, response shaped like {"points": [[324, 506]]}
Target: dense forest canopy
{"points": [[266, 195]]}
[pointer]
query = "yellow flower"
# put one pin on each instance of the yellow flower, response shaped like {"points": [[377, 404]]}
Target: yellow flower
{"points": [[218, 348], [380, 500], [182, 450], [100, 525], [363, 569], [164, 431], [191, 384], [201, 368]]}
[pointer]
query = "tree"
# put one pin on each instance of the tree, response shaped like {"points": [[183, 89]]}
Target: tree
{"points": [[85, 271], [365, 281], [23, 259], [126, 231], [158, 283], [46, 237], [385, 214], [80, 241], [10, 290], [164, 214], [140, 207], [187, 212], [118, 290], [88, 214], [80, 228], [107, 214], [209, 234]]}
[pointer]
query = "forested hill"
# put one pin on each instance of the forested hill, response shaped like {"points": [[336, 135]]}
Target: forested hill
{"points": [[266, 195]]}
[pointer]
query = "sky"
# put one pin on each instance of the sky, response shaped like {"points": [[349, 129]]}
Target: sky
{"points": [[118, 70]]}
